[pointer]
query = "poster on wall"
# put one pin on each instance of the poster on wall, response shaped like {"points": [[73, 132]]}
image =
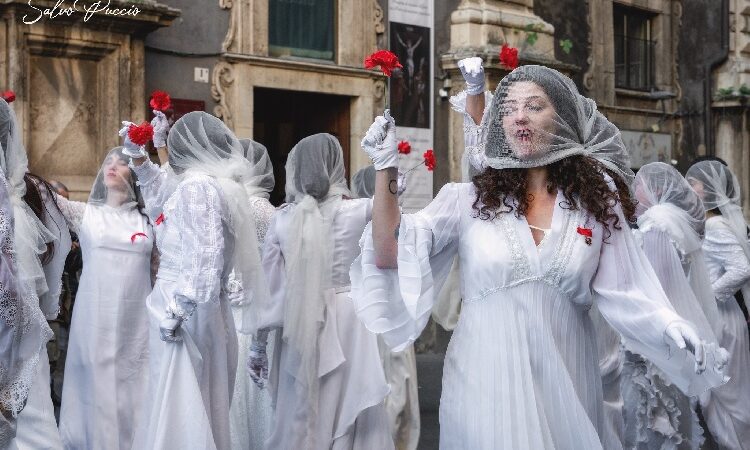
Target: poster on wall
{"points": [[645, 147], [411, 38]]}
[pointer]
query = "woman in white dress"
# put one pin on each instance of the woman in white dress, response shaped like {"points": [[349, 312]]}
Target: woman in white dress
{"points": [[251, 411], [34, 246], [400, 368], [328, 382], [671, 223], [207, 232], [106, 368], [728, 259], [522, 367]]}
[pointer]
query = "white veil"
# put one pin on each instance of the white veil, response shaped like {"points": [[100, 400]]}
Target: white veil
{"points": [[719, 189], [541, 131], [262, 182], [315, 183], [363, 182], [199, 142], [667, 203], [30, 237]]}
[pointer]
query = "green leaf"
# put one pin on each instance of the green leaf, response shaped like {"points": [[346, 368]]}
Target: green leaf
{"points": [[566, 45], [744, 90], [532, 37]]}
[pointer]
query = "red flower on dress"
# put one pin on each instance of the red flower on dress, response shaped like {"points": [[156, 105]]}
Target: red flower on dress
{"points": [[160, 101], [509, 56], [385, 59], [404, 147], [587, 233], [141, 134], [160, 219], [135, 235], [9, 96], [429, 159]]}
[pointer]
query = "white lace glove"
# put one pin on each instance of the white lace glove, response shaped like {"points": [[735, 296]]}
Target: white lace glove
{"points": [[684, 336], [257, 363], [380, 142], [129, 148], [161, 128], [473, 72], [168, 329]]}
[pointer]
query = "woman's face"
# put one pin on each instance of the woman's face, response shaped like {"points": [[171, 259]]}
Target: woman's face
{"points": [[698, 188], [529, 119], [116, 173]]}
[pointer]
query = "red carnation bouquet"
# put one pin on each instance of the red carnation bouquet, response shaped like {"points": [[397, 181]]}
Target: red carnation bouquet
{"points": [[387, 61], [140, 134], [404, 147], [160, 101]]}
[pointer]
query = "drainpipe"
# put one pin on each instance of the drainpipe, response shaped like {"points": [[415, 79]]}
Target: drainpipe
{"points": [[712, 64]]}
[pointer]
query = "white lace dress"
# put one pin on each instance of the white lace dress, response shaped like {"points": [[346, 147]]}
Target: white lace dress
{"points": [[106, 368], [190, 382], [37, 428], [727, 412], [250, 416], [350, 413], [522, 368]]}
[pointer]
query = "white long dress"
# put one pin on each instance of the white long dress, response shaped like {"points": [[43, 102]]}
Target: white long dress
{"points": [[350, 413], [251, 412], [106, 366], [727, 413], [522, 368], [190, 382], [37, 428]]}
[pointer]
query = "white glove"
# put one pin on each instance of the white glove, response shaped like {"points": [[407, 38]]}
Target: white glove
{"points": [[257, 364], [400, 183], [168, 329], [161, 128], [473, 72], [129, 148], [380, 142], [684, 336]]}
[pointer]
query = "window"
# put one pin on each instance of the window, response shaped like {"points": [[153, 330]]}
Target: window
{"points": [[634, 49], [301, 28]]}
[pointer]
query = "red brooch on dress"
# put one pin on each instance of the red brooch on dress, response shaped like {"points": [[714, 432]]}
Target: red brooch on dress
{"points": [[160, 219], [586, 233], [135, 235]]}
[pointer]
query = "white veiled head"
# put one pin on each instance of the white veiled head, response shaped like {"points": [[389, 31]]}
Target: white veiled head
{"points": [[115, 183], [315, 167], [667, 202], [363, 182], [719, 189], [262, 182], [537, 117]]}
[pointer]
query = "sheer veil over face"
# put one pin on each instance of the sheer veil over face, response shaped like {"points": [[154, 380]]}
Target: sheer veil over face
{"points": [[115, 183], [363, 182], [719, 189], [263, 181], [538, 117]]}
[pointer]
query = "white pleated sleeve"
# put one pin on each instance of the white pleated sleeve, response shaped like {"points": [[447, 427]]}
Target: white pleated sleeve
{"points": [[271, 315], [153, 184], [722, 245], [629, 296], [396, 303]]}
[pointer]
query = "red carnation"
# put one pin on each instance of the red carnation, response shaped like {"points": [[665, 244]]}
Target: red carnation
{"points": [[585, 232], [429, 159], [135, 235], [160, 219], [160, 101], [141, 134], [509, 56], [385, 59], [404, 147], [9, 96]]}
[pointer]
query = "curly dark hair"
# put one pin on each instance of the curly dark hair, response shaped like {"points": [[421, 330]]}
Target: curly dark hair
{"points": [[580, 178]]}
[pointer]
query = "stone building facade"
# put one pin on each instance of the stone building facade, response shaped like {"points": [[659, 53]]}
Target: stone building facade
{"points": [[75, 80]]}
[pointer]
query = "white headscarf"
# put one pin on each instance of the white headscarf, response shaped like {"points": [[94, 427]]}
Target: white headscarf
{"points": [[199, 142], [571, 126], [363, 182], [667, 203], [315, 183], [263, 181], [719, 188], [30, 237]]}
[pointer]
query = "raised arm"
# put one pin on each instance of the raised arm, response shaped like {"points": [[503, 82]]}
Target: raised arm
{"points": [[473, 72], [380, 145]]}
